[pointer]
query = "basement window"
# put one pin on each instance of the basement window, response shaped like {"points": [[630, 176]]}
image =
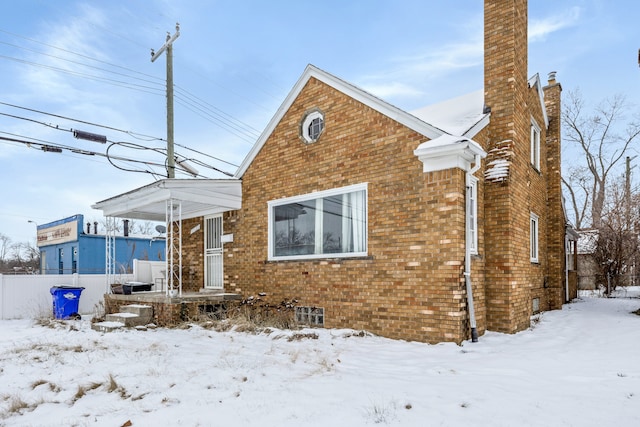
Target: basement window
{"points": [[310, 315], [536, 305]]}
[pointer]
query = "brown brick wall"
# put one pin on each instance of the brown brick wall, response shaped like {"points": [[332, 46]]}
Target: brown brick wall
{"points": [[508, 203], [410, 284], [556, 217], [193, 254], [512, 280]]}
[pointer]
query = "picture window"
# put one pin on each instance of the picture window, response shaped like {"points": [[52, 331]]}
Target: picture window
{"points": [[324, 224]]}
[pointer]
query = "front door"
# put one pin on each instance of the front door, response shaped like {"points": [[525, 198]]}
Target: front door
{"points": [[213, 272]]}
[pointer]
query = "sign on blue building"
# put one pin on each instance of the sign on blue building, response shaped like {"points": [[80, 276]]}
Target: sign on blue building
{"points": [[66, 247]]}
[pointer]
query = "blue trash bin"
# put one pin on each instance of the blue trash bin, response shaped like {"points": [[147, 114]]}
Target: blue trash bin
{"points": [[65, 301]]}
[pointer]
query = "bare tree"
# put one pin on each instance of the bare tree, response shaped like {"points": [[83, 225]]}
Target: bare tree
{"points": [[603, 137], [145, 228], [616, 249], [5, 244]]}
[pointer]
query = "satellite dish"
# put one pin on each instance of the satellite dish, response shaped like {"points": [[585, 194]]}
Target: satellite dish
{"points": [[161, 229]]}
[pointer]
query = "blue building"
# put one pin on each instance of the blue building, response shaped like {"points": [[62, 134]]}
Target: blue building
{"points": [[66, 247]]}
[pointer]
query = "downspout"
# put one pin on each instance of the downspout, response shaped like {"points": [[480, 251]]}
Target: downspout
{"points": [[467, 257], [566, 266]]}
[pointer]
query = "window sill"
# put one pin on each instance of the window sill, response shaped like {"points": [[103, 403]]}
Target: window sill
{"points": [[337, 260]]}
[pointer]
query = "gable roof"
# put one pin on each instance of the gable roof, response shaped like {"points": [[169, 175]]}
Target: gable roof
{"points": [[534, 82], [411, 121]]}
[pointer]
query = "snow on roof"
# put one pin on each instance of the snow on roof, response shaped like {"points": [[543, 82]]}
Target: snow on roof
{"points": [[457, 116]]}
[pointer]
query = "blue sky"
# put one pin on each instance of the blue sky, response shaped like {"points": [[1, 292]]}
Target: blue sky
{"points": [[234, 63]]}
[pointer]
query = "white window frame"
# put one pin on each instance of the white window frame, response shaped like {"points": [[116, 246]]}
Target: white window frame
{"points": [[306, 123], [316, 196], [472, 213], [534, 242], [535, 145]]}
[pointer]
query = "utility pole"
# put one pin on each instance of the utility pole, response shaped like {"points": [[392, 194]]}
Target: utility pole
{"points": [[627, 191], [627, 195], [168, 46]]}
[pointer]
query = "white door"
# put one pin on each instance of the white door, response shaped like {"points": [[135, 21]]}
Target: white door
{"points": [[213, 272]]}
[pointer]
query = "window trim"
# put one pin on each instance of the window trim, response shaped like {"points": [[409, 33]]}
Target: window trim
{"points": [[306, 123], [534, 235], [472, 202], [312, 196], [535, 144]]}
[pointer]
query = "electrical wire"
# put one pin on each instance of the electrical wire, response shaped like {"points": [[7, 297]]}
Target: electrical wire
{"points": [[130, 133], [47, 146], [36, 121], [220, 118], [79, 54], [205, 154], [199, 101], [204, 109], [136, 146], [213, 119]]}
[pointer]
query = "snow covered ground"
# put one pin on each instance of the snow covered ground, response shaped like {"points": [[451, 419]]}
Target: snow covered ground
{"points": [[579, 366]]}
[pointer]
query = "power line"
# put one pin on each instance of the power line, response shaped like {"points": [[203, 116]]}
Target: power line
{"points": [[133, 134], [220, 117], [48, 146], [158, 79], [79, 54], [195, 109], [200, 101], [207, 155], [57, 127], [134, 86], [230, 125]]}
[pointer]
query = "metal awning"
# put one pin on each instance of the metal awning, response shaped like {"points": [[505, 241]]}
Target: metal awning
{"points": [[198, 197]]}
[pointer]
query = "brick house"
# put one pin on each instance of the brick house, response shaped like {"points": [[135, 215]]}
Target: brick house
{"points": [[433, 225]]}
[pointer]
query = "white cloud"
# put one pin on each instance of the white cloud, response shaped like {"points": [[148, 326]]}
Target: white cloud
{"points": [[408, 76], [391, 89], [540, 28]]}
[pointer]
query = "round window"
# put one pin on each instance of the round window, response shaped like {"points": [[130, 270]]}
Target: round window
{"points": [[312, 126]]}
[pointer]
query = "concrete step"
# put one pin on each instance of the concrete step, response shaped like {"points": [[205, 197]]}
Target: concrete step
{"points": [[130, 316], [139, 309], [127, 319], [107, 326]]}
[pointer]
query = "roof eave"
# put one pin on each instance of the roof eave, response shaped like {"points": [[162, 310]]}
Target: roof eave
{"points": [[350, 90]]}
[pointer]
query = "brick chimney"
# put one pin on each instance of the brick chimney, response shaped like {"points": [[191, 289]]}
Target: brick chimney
{"points": [[556, 218], [506, 202]]}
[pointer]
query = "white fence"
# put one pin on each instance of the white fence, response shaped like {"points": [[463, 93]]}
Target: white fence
{"points": [[29, 296]]}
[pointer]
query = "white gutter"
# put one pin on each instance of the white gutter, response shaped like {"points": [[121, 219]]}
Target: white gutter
{"points": [[467, 257]]}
